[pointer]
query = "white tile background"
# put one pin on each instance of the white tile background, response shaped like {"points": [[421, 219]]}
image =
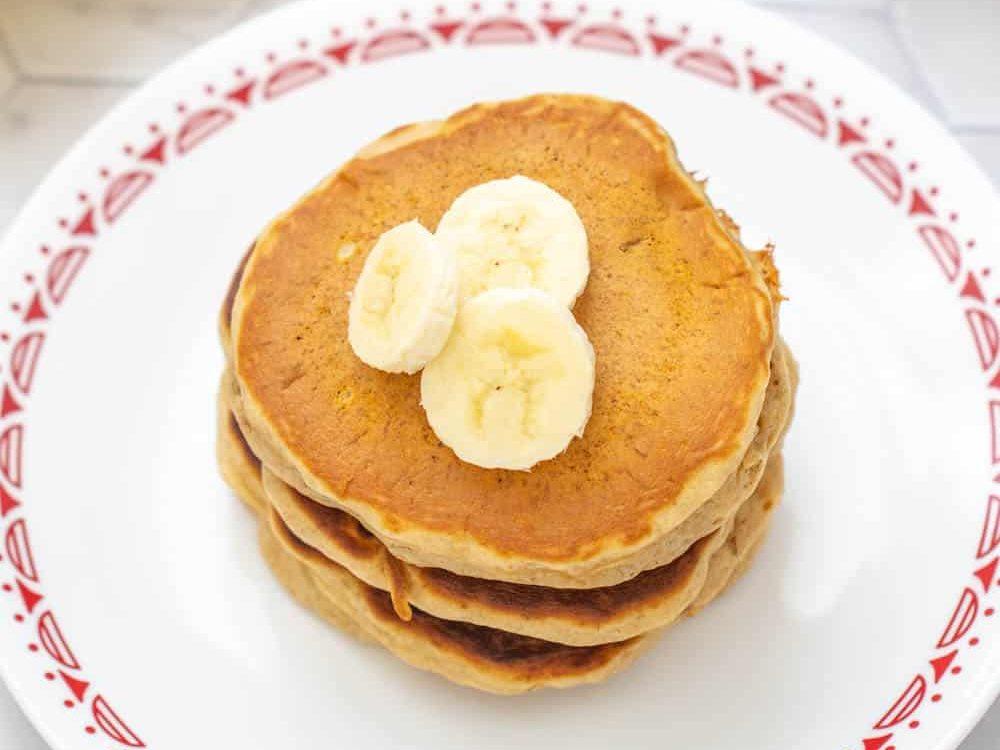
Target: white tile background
{"points": [[946, 53]]}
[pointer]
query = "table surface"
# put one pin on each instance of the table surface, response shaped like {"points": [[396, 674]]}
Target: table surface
{"points": [[934, 49]]}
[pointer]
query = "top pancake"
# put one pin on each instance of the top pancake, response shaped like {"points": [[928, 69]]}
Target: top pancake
{"points": [[681, 322]]}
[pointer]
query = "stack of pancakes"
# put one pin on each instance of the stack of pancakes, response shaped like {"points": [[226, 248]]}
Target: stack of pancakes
{"points": [[502, 580]]}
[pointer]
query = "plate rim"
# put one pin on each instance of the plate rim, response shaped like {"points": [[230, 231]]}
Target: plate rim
{"points": [[708, 63]]}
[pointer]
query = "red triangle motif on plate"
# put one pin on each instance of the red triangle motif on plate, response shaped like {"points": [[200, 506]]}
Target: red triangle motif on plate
{"points": [[761, 80], [848, 134], [7, 502], [555, 26], [77, 687], [8, 405], [920, 205], [241, 94], [987, 574], [156, 153], [30, 598], [662, 43], [85, 226], [941, 664], [875, 743], [446, 29], [972, 289], [35, 310], [341, 52]]}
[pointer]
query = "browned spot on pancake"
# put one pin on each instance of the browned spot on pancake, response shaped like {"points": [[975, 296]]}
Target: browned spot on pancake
{"points": [[234, 428], [341, 528], [593, 606], [587, 605], [531, 657], [681, 325]]}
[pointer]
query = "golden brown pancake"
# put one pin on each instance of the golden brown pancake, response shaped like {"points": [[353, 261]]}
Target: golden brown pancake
{"points": [[576, 617], [481, 657], [680, 319], [749, 529], [774, 419]]}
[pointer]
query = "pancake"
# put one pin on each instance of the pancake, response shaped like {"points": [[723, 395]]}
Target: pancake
{"points": [[710, 516], [680, 318], [481, 657], [576, 617], [471, 655], [749, 529], [240, 468]]}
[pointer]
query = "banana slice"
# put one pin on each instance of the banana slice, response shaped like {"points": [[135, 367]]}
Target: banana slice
{"points": [[516, 233], [515, 382], [404, 303]]}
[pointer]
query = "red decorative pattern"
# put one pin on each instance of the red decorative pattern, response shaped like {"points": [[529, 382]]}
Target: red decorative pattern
{"points": [[573, 25]]}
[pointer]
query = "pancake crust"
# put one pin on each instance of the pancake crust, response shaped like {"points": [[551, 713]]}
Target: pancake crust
{"points": [[749, 529], [680, 319], [773, 421], [484, 658], [571, 616]]}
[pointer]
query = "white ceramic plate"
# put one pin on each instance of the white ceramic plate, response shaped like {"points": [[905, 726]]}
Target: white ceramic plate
{"points": [[136, 609]]}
